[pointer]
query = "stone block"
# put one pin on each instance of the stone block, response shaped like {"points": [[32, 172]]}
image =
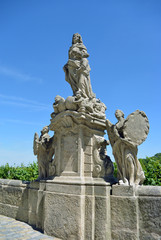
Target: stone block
{"points": [[122, 190], [1, 191], [8, 210], [102, 218], [123, 213], [88, 150], [32, 218], [89, 217], [63, 188], [12, 195], [32, 199], [63, 216], [22, 215], [88, 174], [102, 191], [149, 216], [34, 185], [153, 191], [88, 158], [88, 167], [124, 235], [145, 235]]}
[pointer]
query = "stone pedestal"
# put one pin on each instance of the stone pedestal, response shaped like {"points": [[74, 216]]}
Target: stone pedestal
{"points": [[77, 199], [76, 142], [77, 210]]}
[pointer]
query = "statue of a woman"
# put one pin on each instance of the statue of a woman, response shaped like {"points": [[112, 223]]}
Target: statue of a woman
{"points": [[77, 69], [125, 153]]}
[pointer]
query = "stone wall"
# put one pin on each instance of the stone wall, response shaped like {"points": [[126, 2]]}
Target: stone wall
{"points": [[136, 212], [84, 211]]}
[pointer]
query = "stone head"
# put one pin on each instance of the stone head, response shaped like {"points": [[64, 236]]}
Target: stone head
{"points": [[57, 98], [119, 114], [76, 38], [45, 130]]}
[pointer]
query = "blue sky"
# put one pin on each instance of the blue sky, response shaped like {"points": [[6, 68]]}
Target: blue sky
{"points": [[123, 39]]}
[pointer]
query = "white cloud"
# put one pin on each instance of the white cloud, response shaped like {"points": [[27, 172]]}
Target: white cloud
{"points": [[22, 102], [18, 75]]}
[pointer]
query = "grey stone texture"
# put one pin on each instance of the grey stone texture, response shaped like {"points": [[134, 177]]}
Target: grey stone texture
{"points": [[124, 138], [84, 210], [136, 212]]}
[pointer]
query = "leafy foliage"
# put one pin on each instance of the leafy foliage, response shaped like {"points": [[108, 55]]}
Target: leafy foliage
{"points": [[150, 165], [27, 173], [152, 169]]}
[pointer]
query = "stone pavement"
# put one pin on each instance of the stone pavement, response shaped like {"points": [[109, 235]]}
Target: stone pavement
{"points": [[11, 229]]}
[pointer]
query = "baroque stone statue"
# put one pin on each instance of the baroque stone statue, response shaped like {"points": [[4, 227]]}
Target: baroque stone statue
{"points": [[77, 69], [43, 148], [124, 138]]}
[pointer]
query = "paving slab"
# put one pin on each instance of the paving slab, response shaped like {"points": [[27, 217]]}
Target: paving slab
{"points": [[11, 229]]}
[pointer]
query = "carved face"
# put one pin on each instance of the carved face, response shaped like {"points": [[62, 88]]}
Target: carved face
{"points": [[45, 130], [76, 38], [119, 114]]}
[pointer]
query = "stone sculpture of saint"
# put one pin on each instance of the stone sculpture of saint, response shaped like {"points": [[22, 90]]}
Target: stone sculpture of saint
{"points": [[44, 150], [125, 153], [77, 69]]}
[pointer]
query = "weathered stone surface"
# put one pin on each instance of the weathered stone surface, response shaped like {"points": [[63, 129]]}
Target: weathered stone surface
{"points": [[1, 193], [43, 148], [8, 210], [102, 218], [124, 235], [77, 69], [89, 215], [146, 235], [33, 198], [148, 191], [122, 190], [64, 188], [63, 216], [12, 195], [123, 213], [136, 127], [150, 215], [124, 146]]}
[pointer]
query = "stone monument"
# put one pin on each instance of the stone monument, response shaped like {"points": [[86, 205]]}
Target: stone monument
{"points": [[78, 122], [77, 174], [124, 137]]}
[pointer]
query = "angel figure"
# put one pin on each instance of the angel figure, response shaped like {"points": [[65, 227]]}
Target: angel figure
{"points": [[44, 150], [125, 148]]}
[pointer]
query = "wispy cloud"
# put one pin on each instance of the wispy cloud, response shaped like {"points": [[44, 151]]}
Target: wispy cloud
{"points": [[17, 75], [22, 102]]}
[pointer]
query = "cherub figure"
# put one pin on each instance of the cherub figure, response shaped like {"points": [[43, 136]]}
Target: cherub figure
{"points": [[44, 150]]}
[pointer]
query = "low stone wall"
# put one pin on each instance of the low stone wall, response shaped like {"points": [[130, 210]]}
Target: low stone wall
{"points": [[136, 212], [85, 211]]}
